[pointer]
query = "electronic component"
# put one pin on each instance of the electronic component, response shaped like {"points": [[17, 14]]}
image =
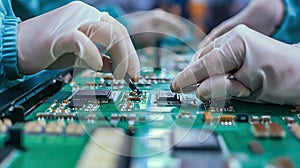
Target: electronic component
{"points": [[168, 98], [226, 120], [256, 147], [3, 127], [265, 119], [281, 162], [242, 118], [104, 96], [108, 77], [55, 127], [273, 130], [74, 129], [295, 129], [207, 117], [91, 84], [254, 119], [103, 148], [185, 114], [76, 103], [219, 105], [276, 131], [167, 129], [49, 115], [288, 120], [134, 98], [260, 130], [194, 139], [34, 127], [295, 109], [5, 124]]}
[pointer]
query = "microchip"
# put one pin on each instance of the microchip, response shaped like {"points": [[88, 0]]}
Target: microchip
{"points": [[195, 140], [104, 96], [242, 118], [168, 98], [76, 103], [256, 147]]}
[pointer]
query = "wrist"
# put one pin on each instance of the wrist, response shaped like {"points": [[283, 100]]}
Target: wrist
{"points": [[9, 48]]}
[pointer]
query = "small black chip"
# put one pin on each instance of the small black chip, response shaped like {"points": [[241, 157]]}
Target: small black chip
{"points": [[242, 118], [77, 103], [168, 96], [104, 96]]}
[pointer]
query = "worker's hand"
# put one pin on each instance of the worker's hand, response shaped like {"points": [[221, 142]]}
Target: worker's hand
{"points": [[260, 69], [69, 36], [150, 26], [260, 15]]}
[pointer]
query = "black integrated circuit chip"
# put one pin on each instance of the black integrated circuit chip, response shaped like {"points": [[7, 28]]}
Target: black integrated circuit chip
{"points": [[104, 96], [242, 118], [168, 98]]}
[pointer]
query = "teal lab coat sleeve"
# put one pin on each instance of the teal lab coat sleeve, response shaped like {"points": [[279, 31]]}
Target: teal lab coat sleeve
{"points": [[8, 45], [289, 30]]}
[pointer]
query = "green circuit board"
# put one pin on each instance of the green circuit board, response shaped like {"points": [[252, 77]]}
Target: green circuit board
{"points": [[97, 121]]}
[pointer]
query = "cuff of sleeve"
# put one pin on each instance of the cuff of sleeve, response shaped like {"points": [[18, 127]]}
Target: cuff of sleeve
{"points": [[9, 50]]}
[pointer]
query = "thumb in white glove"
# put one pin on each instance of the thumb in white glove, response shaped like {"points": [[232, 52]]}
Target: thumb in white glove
{"points": [[68, 36], [264, 70], [260, 15]]}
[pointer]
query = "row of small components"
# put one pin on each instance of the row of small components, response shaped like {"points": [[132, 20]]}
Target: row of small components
{"points": [[64, 108], [92, 117], [218, 105], [129, 99], [263, 127], [273, 130], [230, 108], [227, 120], [54, 127], [56, 107], [109, 76], [108, 81]]}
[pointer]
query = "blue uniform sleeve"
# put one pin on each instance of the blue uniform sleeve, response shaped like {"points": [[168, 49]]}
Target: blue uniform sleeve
{"points": [[289, 30], [8, 44]]}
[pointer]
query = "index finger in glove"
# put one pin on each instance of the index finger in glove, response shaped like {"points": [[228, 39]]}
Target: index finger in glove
{"points": [[114, 36], [225, 56]]}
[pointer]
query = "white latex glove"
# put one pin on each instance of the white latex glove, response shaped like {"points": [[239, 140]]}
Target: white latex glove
{"points": [[260, 15], [264, 70], [68, 36], [150, 26]]}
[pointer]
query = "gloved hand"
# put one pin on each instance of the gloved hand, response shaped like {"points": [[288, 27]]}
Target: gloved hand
{"points": [[150, 26], [260, 15], [68, 37], [260, 69]]}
